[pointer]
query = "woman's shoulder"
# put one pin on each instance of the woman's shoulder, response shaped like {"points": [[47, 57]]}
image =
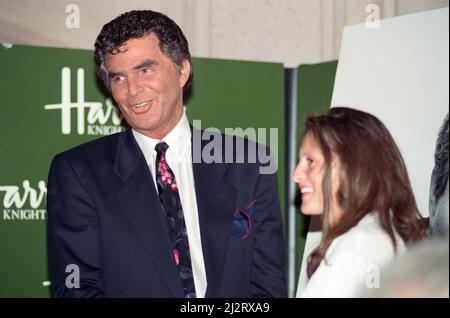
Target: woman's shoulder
{"points": [[367, 239]]}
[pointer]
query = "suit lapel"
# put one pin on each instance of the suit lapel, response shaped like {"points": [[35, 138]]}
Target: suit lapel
{"points": [[215, 201], [140, 203]]}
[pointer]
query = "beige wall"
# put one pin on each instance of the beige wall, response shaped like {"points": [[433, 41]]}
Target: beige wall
{"points": [[292, 32]]}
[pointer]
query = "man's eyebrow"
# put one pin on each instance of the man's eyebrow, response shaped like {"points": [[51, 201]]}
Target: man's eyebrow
{"points": [[114, 74], [146, 63]]}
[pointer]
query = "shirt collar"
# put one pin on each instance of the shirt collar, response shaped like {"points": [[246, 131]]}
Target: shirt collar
{"points": [[178, 139]]}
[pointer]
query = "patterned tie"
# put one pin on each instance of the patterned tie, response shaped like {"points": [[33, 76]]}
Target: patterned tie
{"points": [[170, 201]]}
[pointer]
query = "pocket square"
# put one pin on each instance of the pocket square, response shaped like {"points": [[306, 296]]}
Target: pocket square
{"points": [[242, 221]]}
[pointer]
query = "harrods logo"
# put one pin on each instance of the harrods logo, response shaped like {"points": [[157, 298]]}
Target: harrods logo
{"points": [[24, 203], [101, 120]]}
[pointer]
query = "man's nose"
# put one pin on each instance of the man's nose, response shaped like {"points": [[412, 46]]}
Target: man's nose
{"points": [[134, 86]]}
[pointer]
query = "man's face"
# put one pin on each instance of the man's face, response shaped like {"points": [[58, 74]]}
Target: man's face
{"points": [[147, 86]]}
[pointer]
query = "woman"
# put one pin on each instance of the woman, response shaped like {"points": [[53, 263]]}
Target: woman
{"points": [[352, 173]]}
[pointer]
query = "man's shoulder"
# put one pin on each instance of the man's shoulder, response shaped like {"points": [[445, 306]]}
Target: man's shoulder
{"points": [[94, 148]]}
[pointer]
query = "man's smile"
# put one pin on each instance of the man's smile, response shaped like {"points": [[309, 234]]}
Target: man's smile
{"points": [[141, 107]]}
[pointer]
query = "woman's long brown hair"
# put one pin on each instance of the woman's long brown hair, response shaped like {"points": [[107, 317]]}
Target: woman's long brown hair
{"points": [[372, 178]]}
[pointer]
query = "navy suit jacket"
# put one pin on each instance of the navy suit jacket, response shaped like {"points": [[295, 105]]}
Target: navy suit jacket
{"points": [[104, 216]]}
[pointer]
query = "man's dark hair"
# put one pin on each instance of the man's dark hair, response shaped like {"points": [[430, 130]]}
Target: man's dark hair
{"points": [[439, 176], [137, 24]]}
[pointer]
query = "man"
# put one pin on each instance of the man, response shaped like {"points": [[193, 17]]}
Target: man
{"points": [[133, 214], [438, 202]]}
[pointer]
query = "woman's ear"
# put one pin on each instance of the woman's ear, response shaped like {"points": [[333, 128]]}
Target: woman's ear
{"points": [[335, 173], [335, 185]]}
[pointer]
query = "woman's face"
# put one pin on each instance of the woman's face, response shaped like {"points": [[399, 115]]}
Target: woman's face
{"points": [[309, 175]]}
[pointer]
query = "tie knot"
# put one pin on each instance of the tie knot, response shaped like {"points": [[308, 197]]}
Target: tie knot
{"points": [[161, 147]]}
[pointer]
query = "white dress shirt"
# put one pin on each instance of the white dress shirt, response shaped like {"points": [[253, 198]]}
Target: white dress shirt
{"points": [[179, 158], [353, 261]]}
